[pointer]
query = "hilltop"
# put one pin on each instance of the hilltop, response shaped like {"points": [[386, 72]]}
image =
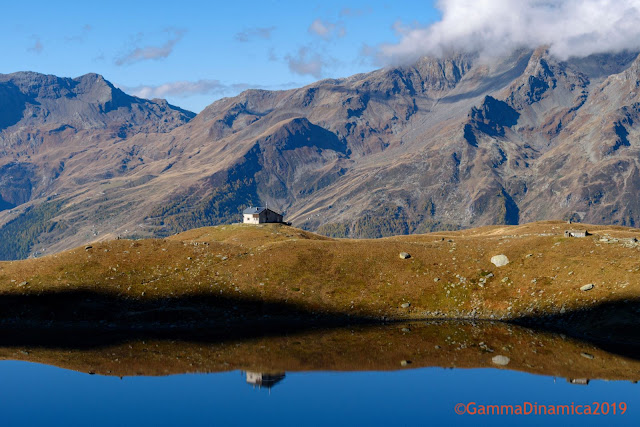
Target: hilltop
{"points": [[242, 275]]}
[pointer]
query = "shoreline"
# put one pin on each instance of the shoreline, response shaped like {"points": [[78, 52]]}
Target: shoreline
{"points": [[274, 275], [399, 346]]}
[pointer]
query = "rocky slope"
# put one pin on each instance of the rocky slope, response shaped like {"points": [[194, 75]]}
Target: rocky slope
{"points": [[442, 144], [60, 136]]}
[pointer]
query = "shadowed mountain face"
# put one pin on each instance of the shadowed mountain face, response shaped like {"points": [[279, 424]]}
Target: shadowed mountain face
{"points": [[441, 144]]}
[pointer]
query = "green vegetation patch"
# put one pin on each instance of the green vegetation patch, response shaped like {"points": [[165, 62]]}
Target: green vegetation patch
{"points": [[20, 234], [223, 205]]}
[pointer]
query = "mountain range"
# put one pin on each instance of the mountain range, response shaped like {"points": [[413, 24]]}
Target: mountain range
{"points": [[444, 143]]}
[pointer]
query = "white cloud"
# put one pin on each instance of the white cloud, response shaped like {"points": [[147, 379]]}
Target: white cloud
{"points": [[80, 38], [306, 63], [568, 27], [326, 29], [347, 11], [320, 28], [152, 52], [186, 89], [183, 89], [37, 46], [253, 33]]}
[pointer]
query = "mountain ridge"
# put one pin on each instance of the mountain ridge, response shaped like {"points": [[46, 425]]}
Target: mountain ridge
{"points": [[441, 144]]}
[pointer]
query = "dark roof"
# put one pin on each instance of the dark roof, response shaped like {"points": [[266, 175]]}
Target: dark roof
{"points": [[253, 210]]}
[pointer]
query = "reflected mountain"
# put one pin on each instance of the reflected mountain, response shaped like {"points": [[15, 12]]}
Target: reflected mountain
{"points": [[445, 344]]}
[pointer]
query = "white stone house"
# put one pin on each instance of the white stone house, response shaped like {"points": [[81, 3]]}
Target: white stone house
{"points": [[260, 215], [576, 233]]}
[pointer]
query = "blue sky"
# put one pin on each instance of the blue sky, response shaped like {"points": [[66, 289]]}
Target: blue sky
{"points": [[192, 53]]}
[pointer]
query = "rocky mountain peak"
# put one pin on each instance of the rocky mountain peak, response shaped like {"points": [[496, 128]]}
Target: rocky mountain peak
{"points": [[88, 101], [38, 86], [443, 73]]}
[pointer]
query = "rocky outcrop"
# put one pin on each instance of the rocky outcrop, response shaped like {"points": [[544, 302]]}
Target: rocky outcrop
{"points": [[15, 184]]}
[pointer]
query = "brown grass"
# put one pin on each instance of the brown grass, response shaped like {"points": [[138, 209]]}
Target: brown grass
{"points": [[276, 263]]}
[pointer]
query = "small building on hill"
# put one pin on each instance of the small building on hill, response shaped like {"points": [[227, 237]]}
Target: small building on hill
{"points": [[260, 215], [576, 233]]}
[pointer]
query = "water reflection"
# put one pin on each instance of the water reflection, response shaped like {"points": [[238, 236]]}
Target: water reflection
{"points": [[265, 359], [35, 394], [261, 379], [578, 381]]}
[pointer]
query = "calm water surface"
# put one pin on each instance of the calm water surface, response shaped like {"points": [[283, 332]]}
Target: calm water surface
{"points": [[35, 394]]}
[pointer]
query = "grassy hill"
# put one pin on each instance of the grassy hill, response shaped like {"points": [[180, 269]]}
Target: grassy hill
{"points": [[242, 274]]}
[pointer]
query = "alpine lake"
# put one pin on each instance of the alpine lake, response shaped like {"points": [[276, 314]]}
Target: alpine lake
{"points": [[417, 373]]}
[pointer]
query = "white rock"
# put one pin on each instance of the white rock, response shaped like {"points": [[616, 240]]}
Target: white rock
{"points": [[500, 260], [500, 360], [586, 287]]}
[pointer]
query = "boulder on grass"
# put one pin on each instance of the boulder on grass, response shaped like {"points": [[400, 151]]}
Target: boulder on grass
{"points": [[499, 260]]}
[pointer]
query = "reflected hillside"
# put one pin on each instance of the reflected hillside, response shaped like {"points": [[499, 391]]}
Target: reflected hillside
{"points": [[445, 344]]}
